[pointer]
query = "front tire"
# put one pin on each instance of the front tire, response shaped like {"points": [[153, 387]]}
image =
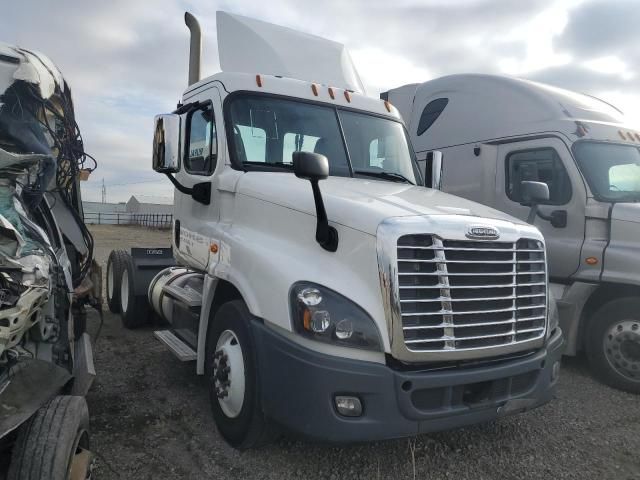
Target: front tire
{"points": [[613, 344], [54, 443], [232, 378]]}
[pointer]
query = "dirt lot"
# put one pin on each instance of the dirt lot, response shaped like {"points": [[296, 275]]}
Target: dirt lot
{"points": [[151, 420]]}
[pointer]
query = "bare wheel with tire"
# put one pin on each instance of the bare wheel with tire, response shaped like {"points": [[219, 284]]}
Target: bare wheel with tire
{"points": [[613, 344], [232, 378], [115, 262], [134, 309], [54, 443]]}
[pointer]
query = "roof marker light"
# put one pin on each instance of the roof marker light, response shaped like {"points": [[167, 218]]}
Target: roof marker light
{"points": [[638, 136], [314, 89], [621, 135], [331, 94], [259, 80], [347, 95], [630, 135], [387, 105]]}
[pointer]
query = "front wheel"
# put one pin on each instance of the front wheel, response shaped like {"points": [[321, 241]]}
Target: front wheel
{"points": [[613, 344], [54, 443], [232, 378]]}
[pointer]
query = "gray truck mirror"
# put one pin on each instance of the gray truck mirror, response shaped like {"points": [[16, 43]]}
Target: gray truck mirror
{"points": [[534, 192], [166, 143]]}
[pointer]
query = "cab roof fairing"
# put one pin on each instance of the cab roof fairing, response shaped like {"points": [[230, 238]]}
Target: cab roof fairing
{"points": [[487, 107], [247, 45]]}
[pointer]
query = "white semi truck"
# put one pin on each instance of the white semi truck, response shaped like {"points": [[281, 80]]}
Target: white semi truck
{"points": [[496, 132], [319, 286], [47, 275]]}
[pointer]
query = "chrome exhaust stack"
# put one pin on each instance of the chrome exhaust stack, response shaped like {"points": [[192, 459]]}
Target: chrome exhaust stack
{"points": [[195, 47]]}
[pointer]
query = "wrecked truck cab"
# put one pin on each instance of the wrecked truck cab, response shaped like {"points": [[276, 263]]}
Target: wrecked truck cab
{"points": [[47, 273]]}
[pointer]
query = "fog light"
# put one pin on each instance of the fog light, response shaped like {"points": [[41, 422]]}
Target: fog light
{"points": [[348, 406], [555, 371]]}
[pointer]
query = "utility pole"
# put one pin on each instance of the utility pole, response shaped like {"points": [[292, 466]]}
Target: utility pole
{"points": [[104, 192]]}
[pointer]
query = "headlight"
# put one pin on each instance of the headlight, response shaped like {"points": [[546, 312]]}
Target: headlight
{"points": [[325, 316]]}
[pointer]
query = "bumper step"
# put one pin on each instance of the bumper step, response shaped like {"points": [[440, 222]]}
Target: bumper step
{"points": [[181, 350]]}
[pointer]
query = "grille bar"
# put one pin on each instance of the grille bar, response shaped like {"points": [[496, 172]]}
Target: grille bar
{"points": [[469, 295]]}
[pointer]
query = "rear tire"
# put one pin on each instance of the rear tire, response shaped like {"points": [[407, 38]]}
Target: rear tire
{"points": [[53, 443], [115, 263], [134, 309], [238, 410], [613, 344]]}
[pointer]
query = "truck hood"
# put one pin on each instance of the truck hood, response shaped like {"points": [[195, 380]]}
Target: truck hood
{"points": [[359, 203]]}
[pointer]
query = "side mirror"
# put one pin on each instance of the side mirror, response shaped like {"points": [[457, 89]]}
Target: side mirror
{"points": [[166, 143], [433, 170], [315, 167], [310, 166], [534, 192]]}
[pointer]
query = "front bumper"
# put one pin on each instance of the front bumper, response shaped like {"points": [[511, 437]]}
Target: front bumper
{"points": [[298, 386]]}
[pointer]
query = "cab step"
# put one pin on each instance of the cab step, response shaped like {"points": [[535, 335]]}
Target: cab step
{"points": [[181, 350]]}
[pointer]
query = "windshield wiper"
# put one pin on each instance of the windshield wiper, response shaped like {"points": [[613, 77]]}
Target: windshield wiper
{"points": [[393, 176]]}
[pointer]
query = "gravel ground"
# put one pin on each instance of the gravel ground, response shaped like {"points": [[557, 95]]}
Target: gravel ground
{"points": [[151, 420]]}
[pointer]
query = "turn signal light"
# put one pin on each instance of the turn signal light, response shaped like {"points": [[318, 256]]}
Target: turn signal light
{"points": [[591, 261]]}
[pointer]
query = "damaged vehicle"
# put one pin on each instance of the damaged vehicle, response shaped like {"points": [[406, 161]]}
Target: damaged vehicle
{"points": [[47, 274]]}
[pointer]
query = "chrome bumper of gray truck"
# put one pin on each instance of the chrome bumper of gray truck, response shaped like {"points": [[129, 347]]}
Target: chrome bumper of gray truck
{"points": [[299, 387]]}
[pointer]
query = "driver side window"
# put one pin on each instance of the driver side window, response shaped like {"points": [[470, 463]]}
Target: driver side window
{"points": [[537, 165], [201, 145]]}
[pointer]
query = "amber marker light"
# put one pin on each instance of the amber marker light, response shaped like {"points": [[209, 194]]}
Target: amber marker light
{"points": [[331, 94], [259, 80], [387, 105], [213, 248], [630, 135], [638, 136], [347, 96], [306, 319], [314, 89], [622, 136], [591, 261]]}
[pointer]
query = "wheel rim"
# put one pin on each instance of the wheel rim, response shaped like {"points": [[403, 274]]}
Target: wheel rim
{"points": [[109, 281], [124, 291], [228, 374], [81, 462], [622, 348]]}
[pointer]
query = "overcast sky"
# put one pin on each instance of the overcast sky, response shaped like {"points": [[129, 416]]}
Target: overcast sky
{"points": [[127, 60]]}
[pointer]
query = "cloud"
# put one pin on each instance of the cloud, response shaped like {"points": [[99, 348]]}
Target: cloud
{"points": [[126, 61]]}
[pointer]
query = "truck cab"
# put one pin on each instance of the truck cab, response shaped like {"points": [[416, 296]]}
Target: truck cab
{"points": [[494, 134], [319, 285]]}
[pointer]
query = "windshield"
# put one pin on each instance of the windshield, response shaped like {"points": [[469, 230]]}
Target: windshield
{"points": [[267, 131], [612, 170]]}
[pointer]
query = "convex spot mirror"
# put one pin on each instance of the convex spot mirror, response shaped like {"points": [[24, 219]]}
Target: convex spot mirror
{"points": [[166, 143], [310, 166]]}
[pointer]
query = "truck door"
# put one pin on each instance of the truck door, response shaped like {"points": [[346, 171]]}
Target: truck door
{"points": [[202, 139], [546, 160]]}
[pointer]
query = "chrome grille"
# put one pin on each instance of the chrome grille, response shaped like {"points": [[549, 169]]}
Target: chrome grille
{"points": [[464, 294]]}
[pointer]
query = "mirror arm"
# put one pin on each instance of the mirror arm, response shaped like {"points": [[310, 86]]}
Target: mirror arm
{"points": [[532, 214], [326, 235], [181, 188], [201, 192]]}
